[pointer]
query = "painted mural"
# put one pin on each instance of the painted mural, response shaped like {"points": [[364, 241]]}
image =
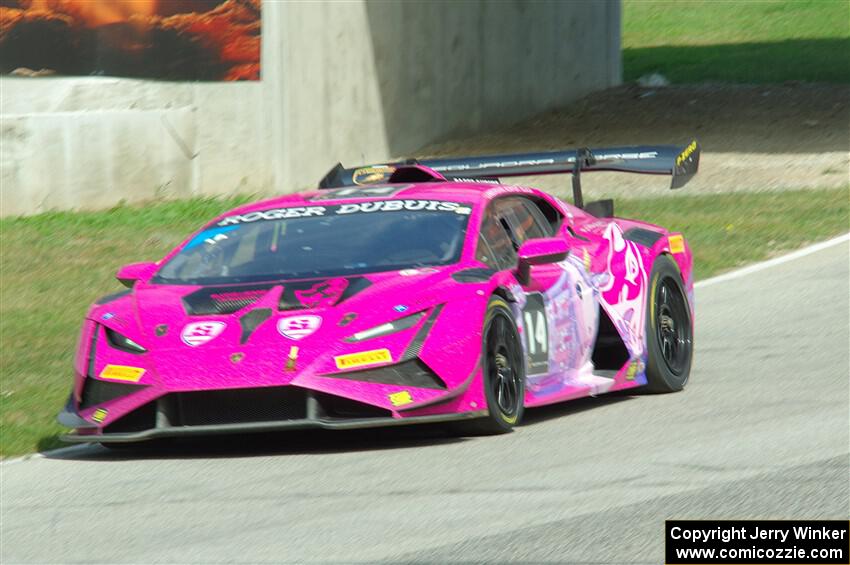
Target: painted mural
{"points": [[177, 40]]}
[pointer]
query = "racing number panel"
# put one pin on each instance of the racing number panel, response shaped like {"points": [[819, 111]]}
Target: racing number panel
{"points": [[520, 220], [536, 334]]}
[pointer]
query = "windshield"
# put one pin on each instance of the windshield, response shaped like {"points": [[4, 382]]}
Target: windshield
{"points": [[346, 239]]}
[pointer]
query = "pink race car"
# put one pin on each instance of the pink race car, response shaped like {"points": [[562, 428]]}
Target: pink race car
{"points": [[397, 293]]}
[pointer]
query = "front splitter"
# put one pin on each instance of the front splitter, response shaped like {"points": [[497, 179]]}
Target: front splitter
{"points": [[219, 429]]}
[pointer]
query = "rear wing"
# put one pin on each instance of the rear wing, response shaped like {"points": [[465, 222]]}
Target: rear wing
{"points": [[680, 162]]}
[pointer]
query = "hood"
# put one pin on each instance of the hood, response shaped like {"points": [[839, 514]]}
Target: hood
{"points": [[299, 333], [175, 317]]}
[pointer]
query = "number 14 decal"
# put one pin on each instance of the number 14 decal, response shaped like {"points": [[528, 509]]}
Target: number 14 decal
{"points": [[536, 331], [536, 334]]}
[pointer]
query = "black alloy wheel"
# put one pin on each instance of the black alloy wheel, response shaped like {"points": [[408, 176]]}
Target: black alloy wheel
{"points": [[669, 329], [503, 371]]}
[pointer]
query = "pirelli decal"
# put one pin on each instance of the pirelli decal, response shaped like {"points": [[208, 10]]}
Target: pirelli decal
{"points": [[363, 359], [122, 373]]}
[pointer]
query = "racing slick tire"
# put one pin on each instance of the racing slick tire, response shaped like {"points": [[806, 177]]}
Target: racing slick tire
{"points": [[669, 329], [503, 372]]}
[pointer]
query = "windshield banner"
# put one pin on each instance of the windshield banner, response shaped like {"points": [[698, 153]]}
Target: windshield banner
{"points": [[351, 208]]}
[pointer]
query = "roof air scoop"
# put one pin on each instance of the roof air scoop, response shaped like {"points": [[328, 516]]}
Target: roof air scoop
{"points": [[415, 173]]}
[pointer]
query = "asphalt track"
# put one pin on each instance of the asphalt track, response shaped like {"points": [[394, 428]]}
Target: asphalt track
{"points": [[761, 432]]}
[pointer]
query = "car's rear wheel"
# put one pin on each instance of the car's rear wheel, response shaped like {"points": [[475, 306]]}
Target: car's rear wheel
{"points": [[503, 371], [669, 329]]}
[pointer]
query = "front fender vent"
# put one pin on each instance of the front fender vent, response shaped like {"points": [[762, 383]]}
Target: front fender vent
{"points": [[474, 275], [413, 373], [647, 238]]}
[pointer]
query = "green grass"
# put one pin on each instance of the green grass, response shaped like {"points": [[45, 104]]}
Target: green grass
{"points": [[737, 41], [733, 229], [52, 266]]}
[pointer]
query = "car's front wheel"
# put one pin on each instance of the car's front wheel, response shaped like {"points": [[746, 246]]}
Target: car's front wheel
{"points": [[503, 371], [669, 330]]}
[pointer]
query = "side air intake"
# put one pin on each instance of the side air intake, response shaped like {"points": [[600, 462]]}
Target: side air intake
{"points": [[97, 392], [609, 353]]}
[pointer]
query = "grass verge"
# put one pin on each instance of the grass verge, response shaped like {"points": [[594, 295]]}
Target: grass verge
{"points": [[734, 41], [730, 230], [52, 266]]}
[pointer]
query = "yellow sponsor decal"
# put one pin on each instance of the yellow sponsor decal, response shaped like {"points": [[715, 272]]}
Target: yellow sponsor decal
{"points": [[677, 243], [371, 175], [293, 357], [400, 398], [99, 415], [122, 373], [686, 153], [635, 367], [363, 359]]}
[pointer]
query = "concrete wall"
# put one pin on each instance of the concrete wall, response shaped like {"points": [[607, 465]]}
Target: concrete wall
{"points": [[346, 81]]}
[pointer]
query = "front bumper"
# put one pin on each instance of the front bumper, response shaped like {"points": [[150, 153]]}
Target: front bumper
{"points": [[236, 411], [221, 429]]}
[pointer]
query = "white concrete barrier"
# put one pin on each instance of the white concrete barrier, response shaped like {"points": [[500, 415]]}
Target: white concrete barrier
{"points": [[345, 81]]}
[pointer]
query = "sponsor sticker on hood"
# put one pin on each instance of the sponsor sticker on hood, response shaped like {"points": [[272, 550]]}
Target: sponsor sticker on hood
{"points": [[199, 333], [298, 327]]}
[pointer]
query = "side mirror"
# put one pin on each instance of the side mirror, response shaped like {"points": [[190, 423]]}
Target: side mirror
{"points": [[129, 274], [539, 252]]}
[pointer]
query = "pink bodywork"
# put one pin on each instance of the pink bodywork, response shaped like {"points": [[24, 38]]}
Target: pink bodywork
{"points": [[602, 267]]}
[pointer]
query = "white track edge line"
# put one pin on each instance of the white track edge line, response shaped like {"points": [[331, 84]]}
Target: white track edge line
{"points": [[773, 262], [707, 282]]}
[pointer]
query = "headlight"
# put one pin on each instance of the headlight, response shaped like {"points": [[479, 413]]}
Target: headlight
{"points": [[123, 343], [388, 328]]}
